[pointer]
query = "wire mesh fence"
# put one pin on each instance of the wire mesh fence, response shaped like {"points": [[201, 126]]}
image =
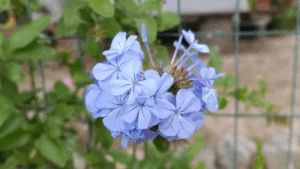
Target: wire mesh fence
{"points": [[236, 34]]}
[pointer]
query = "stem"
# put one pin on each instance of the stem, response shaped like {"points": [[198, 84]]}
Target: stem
{"points": [[134, 155], [182, 56], [31, 72]]}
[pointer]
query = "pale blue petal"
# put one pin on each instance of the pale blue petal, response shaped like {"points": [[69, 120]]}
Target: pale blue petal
{"points": [[91, 95], [183, 95], [119, 41], [210, 98], [106, 100], [112, 53], [148, 135], [167, 81], [201, 48], [144, 118], [164, 108], [131, 113], [186, 128], [101, 113], [102, 71], [152, 74], [189, 36], [198, 119], [125, 140], [132, 68], [118, 87], [169, 127], [149, 83], [190, 105], [130, 42]]}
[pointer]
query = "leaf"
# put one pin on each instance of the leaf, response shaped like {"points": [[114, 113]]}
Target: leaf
{"points": [[27, 33], [240, 93], [61, 90], [83, 29], [150, 25], [9, 89], [5, 5], [260, 159], [215, 59], [103, 7], [254, 97], [15, 139], [13, 72], [161, 53], [222, 103], [167, 20], [263, 86], [92, 47], [63, 30], [191, 151], [80, 78], [6, 109], [149, 5], [201, 165], [94, 158], [34, 5], [228, 82], [161, 144], [101, 131], [11, 163], [33, 52], [72, 14], [52, 150], [113, 26], [120, 156], [128, 7], [11, 125]]}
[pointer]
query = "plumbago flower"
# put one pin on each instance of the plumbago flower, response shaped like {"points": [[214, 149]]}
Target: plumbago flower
{"points": [[166, 100]]}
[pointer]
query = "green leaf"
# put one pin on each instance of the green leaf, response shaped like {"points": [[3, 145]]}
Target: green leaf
{"points": [[27, 33], [228, 81], [33, 52], [167, 20], [61, 90], [11, 163], [263, 86], [1, 39], [191, 151], [53, 128], [52, 150], [72, 14], [80, 78], [151, 27], [9, 89], [63, 30], [13, 72], [113, 27], [83, 29], [201, 165], [120, 156], [128, 7], [222, 103], [11, 125], [101, 131], [161, 53], [149, 5], [103, 7], [5, 5], [161, 144], [6, 109], [240, 93], [215, 59], [34, 4], [15, 139], [260, 159], [92, 47], [254, 97], [94, 158]]}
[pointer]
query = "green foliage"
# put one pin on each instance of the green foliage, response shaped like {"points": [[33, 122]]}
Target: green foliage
{"points": [[215, 59], [161, 53], [150, 25], [102, 7], [260, 161], [167, 20]]}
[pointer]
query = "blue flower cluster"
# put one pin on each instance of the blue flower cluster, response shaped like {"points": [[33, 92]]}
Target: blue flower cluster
{"points": [[140, 105]]}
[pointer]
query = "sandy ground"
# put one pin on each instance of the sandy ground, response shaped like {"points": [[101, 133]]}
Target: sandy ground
{"points": [[268, 57]]}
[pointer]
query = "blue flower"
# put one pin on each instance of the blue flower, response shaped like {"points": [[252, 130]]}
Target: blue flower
{"points": [[176, 124], [148, 135], [190, 38], [142, 112], [126, 49], [91, 95], [114, 119], [210, 98], [131, 82]]}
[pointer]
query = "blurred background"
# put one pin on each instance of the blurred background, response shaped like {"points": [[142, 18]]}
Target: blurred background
{"points": [[73, 41]]}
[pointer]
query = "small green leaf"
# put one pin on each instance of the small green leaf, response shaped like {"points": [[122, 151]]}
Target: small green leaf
{"points": [[5, 5], [254, 97], [15, 139], [9, 89], [263, 86], [240, 93], [120, 156], [6, 109], [228, 81], [103, 7], [52, 150], [63, 30], [215, 59], [11, 125], [33, 52], [61, 90], [161, 53], [128, 7], [13, 72], [113, 26], [83, 29], [150, 5], [192, 150], [151, 27], [222, 103], [161, 144], [80, 78], [201, 165], [34, 4], [72, 13], [92, 47], [260, 159], [167, 20], [11, 163], [27, 33], [94, 158]]}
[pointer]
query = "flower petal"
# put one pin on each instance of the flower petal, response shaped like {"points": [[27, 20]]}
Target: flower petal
{"points": [[201, 48], [210, 98], [169, 127], [119, 41], [125, 140], [167, 81], [91, 95], [131, 113], [118, 87], [144, 118], [102, 71], [186, 128]]}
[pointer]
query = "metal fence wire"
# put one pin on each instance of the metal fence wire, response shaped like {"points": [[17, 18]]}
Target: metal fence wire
{"points": [[236, 33]]}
